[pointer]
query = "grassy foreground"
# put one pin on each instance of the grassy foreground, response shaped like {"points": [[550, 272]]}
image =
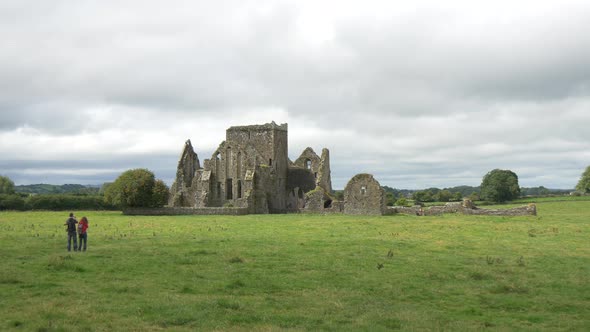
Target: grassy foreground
{"points": [[299, 272]]}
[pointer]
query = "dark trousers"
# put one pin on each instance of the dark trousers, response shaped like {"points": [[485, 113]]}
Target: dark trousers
{"points": [[83, 238], [74, 237]]}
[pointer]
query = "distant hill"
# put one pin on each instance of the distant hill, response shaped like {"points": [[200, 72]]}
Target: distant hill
{"points": [[42, 188], [542, 191]]}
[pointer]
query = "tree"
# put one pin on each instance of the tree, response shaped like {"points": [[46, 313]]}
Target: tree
{"points": [[443, 196], [136, 188], [423, 196], [160, 194], [389, 198], [500, 186], [584, 183], [6, 185], [401, 202]]}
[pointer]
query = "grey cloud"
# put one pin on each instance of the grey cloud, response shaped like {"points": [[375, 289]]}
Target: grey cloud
{"points": [[414, 90]]}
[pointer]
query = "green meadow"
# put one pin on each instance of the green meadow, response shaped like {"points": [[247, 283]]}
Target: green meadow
{"points": [[299, 272]]}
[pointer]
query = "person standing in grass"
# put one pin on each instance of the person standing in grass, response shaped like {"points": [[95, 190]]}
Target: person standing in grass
{"points": [[71, 223], [83, 236]]}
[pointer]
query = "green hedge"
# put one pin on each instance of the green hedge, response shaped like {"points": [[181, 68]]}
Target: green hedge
{"points": [[56, 202], [12, 202]]}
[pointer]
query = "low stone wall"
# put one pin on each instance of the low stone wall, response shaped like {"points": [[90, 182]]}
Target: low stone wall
{"points": [[173, 211], [336, 208], [466, 207], [415, 210], [528, 210]]}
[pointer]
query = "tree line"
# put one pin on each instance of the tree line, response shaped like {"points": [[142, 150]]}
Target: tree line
{"points": [[133, 188], [497, 186], [140, 188]]}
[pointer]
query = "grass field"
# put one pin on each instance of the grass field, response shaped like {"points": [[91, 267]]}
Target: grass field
{"points": [[299, 272]]}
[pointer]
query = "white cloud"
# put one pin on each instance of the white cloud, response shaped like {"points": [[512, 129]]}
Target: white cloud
{"points": [[421, 94]]}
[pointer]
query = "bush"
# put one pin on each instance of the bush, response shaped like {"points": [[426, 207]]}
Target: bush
{"points": [[401, 202], [443, 196], [137, 188], [59, 202], [11, 202], [423, 196]]}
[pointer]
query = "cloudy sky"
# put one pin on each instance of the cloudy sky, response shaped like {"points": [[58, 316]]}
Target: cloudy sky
{"points": [[420, 93]]}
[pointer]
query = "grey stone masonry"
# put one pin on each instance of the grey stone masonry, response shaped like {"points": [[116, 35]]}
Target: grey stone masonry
{"points": [[364, 195], [466, 207], [250, 169]]}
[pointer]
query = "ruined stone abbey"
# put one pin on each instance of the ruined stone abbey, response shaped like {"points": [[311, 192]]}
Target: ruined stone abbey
{"points": [[251, 173], [251, 170]]}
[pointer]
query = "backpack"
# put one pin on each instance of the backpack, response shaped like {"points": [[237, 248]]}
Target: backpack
{"points": [[80, 228], [71, 223]]}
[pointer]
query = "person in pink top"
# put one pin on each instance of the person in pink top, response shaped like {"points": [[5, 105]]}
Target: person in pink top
{"points": [[82, 235]]}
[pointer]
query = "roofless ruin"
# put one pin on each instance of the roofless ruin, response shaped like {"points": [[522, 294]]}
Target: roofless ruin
{"points": [[250, 173], [251, 170]]}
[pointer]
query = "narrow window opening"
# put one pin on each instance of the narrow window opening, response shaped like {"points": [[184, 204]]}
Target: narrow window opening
{"points": [[315, 175], [239, 166], [363, 190], [308, 164], [229, 189], [270, 162], [228, 162], [218, 189], [239, 188], [217, 163]]}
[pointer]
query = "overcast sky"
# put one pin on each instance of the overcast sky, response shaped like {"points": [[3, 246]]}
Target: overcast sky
{"points": [[419, 93]]}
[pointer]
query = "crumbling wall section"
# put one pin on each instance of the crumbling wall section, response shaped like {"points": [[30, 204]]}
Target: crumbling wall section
{"points": [[324, 178], [527, 210], [310, 171], [308, 160], [320, 201], [188, 164], [466, 207], [364, 195]]}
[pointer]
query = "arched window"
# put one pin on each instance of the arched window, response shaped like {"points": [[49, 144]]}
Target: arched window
{"points": [[228, 162], [307, 164], [217, 164]]}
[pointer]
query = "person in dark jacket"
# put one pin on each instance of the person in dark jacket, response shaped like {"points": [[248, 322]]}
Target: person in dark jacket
{"points": [[71, 229], [82, 228]]}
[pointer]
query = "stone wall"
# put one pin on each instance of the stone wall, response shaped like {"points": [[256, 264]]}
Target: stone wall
{"points": [[324, 178], [188, 164], [467, 207], [527, 210], [308, 160], [364, 195], [171, 211], [318, 167]]}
